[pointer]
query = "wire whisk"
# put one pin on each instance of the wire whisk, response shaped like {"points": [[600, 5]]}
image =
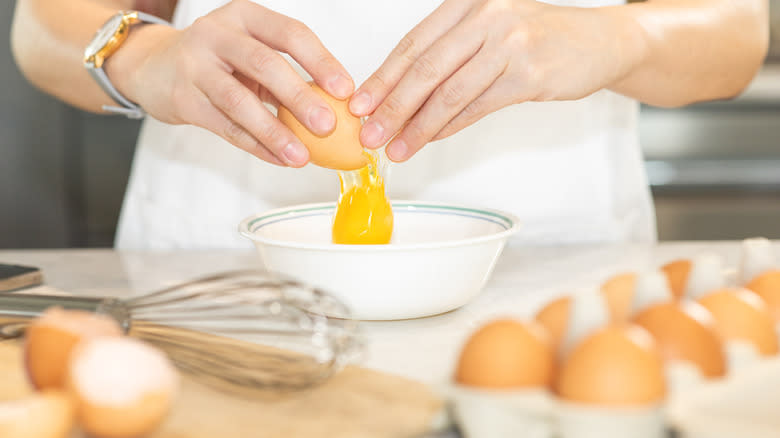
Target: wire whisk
{"points": [[235, 330]]}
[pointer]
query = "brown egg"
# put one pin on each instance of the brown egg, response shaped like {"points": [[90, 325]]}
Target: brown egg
{"points": [[677, 272], [767, 286], [123, 388], [47, 414], [507, 354], [51, 337], [741, 315], [616, 366], [685, 331], [341, 149], [619, 291]]}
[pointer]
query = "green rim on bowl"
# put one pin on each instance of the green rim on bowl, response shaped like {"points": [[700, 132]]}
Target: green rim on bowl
{"points": [[249, 226]]}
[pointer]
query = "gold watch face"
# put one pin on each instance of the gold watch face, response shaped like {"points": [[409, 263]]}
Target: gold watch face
{"points": [[108, 38]]}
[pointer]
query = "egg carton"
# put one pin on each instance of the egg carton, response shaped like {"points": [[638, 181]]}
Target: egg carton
{"points": [[744, 404]]}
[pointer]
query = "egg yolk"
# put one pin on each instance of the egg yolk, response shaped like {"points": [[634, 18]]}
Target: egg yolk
{"points": [[363, 215]]}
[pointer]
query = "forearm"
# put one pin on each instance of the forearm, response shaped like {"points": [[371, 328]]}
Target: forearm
{"points": [[48, 40], [693, 50]]}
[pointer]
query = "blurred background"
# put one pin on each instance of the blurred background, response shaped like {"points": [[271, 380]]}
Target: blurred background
{"points": [[714, 168]]}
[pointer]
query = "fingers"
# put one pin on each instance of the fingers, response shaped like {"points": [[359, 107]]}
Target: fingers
{"points": [[421, 79], [205, 115], [247, 112], [493, 99], [287, 35], [446, 102], [264, 65], [415, 43]]}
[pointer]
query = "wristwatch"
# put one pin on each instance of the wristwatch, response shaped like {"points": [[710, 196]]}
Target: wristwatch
{"points": [[104, 44]]}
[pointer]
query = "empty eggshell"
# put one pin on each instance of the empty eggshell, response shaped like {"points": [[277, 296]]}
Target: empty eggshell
{"points": [[123, 387], [341, 149], [507, 354], [50, 339], [47, 414]]}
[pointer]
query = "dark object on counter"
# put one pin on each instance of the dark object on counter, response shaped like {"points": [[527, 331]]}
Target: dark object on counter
{"points": [[14, 277]]}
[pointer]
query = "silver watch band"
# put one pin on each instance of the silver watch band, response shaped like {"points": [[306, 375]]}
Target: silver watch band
{"points": [[125, 106]]}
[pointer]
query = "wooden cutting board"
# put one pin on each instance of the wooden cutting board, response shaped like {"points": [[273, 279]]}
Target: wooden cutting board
{"points": [[354, 403]]}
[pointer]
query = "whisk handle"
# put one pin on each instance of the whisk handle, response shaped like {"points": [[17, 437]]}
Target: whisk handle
{"points": [[16, 310]]}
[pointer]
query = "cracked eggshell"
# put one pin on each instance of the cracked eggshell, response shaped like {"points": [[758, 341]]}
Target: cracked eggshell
{"points": [[47, 414], [123, 387], [341, 149], [51, 337]]}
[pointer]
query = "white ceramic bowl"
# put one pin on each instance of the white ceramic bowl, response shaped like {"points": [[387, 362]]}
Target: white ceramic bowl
{"points": [[439, 258]]}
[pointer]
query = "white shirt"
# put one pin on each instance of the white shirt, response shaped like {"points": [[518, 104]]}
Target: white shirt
{"points": [[572, 171]]}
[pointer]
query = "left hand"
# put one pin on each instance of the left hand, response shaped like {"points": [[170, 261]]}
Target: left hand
{"points": [[472, 57]]}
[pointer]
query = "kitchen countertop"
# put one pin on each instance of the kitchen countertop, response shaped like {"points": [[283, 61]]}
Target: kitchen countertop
{"points": [[423, 349]]}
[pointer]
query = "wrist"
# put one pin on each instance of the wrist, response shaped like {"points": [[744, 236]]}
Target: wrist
{"points": [[631, 46], [122, 66]]}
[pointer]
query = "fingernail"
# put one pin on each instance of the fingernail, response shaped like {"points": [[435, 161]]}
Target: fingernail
{"points": [[295, 154], [341, 86], [397, 150], [322, 120], [359, 103], [372, 134]]}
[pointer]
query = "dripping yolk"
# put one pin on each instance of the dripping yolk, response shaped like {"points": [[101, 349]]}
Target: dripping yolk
{"points": [[363, 215]]}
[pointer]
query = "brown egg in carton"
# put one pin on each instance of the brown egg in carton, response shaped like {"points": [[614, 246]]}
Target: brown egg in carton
{"points": [[621, 355], [86, 373]]}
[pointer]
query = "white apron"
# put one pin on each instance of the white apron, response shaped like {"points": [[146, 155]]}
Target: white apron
{"points": [[572, 171]]}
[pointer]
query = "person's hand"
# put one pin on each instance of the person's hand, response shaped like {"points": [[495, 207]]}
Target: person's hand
{"points": [[217, 73], [472, 57]]}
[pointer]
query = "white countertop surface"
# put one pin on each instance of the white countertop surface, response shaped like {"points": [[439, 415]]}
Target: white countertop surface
{"points": [[423, 349]]}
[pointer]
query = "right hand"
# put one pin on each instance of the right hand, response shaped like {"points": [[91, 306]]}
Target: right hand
{"points": [[217, 73]]}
